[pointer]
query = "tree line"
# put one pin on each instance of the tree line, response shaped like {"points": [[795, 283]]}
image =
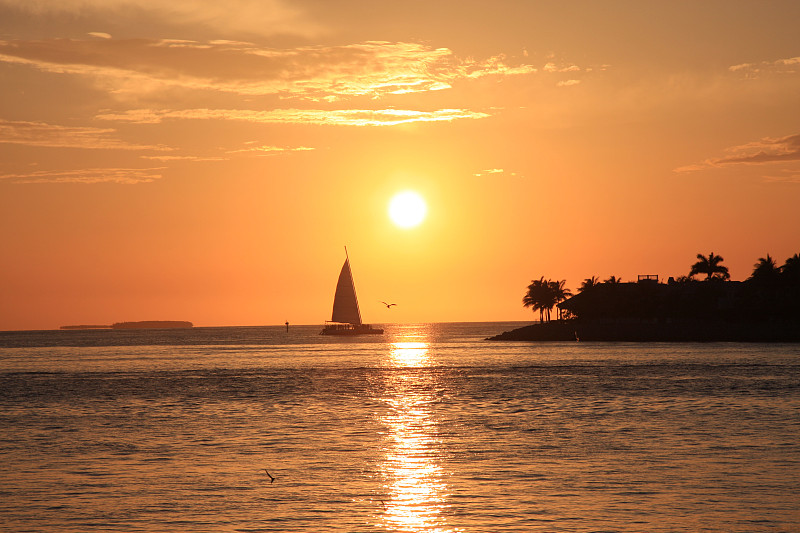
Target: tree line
{"points": [[770, 289]]}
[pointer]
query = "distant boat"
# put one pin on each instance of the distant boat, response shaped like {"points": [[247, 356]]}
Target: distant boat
{"points": [[346, 316]]}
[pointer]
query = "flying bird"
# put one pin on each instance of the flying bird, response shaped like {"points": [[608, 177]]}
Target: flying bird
{"points": [[271, 479], [388, 306]]}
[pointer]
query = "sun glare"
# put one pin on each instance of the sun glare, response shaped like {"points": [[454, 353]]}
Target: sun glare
{"points": [[407, 209]]}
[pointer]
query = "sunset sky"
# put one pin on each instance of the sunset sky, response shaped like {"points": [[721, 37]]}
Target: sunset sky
{"points": [[209, 161]]}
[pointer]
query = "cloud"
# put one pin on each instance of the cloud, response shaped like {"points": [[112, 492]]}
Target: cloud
{"points": [[791, 176], [56, 136], [568, 72], [270, 150], [336, 117], [495, 66], [254, 17], [766, 150], [166, 158], [100, 34], [317, 73], [778, 67], [552, 67], [496, 171], [91, 175]]}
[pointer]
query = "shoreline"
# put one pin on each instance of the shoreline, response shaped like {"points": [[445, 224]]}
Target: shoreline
{"points": [[654, 331]]}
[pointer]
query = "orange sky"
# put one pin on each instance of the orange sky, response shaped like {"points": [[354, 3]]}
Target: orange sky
{"points": [[206, 161]]}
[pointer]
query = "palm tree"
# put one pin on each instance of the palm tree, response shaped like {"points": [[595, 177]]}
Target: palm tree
{"points": [[558, 293], [535, 297], [543, 295], [790, 270], [613, 280], [765, 270], [710, 266], [588, 283]]}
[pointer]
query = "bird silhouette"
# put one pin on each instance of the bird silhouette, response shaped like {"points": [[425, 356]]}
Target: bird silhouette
{"points": [[271, 479], [388, 306]]}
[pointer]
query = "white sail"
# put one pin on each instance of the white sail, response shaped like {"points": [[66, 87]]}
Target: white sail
{"points": [[345, 303]]}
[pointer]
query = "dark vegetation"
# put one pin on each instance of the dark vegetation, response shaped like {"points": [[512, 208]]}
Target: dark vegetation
{"points": [[764, 307]]}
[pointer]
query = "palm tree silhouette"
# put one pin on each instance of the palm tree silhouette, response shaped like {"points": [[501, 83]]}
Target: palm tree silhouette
{"points": [[790, 270], [765, 270], [710, 266], [558, 293], [536, 295], [588, 283], [613, 280], [543, 295]]}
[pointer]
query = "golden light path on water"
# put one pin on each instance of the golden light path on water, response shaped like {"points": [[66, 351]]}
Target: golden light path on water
{"points": [[415, 487]]}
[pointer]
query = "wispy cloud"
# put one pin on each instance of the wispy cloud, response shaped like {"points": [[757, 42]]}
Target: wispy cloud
{"points": [[91, 175], [498, 65], [269, 150], [57, 136], [568, 74], [766, 150], [254, 17], [780, 66], [167, 158], [496, 172], [791, 176], [317, 73], [552, 67], [336, 117]]}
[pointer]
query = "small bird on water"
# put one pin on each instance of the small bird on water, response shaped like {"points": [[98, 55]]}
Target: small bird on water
{"points": [[271, 479], [388, 306]]}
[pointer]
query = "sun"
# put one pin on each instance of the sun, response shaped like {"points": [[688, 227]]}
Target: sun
{"points": [[407, 209]]}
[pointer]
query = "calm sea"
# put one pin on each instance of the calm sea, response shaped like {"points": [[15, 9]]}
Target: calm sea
{"points": [[428, 428]]}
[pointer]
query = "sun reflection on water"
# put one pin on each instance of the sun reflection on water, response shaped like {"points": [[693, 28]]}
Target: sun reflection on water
{"points": [[409, 354], [415, 488]]}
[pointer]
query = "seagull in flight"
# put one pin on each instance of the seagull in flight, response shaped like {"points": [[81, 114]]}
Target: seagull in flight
{"points": [[388, 306], [271, 479]]}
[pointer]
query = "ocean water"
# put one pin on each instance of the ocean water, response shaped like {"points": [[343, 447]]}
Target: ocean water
{"points": [[429, 428]]}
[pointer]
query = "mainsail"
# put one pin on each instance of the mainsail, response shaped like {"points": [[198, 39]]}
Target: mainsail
{"points": [[345, 303]]}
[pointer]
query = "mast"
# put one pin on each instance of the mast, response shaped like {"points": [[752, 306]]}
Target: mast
{"points": [[353, 283]]}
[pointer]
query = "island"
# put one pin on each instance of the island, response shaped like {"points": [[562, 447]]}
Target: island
{"points": [[763, 308], [144, 324]]}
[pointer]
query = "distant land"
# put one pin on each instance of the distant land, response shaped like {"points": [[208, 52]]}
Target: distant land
{"points": [[144, 324], [763, 308], [642, 330]]}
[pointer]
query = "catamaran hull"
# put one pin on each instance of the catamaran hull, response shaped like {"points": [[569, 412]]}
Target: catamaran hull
{"points": [[349, 330]]}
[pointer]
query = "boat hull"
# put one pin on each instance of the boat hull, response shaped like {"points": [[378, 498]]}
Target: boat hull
{"points": [[350, 330]]}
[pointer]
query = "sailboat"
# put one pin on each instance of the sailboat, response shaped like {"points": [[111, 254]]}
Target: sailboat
{"points": [[346, 316]]}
